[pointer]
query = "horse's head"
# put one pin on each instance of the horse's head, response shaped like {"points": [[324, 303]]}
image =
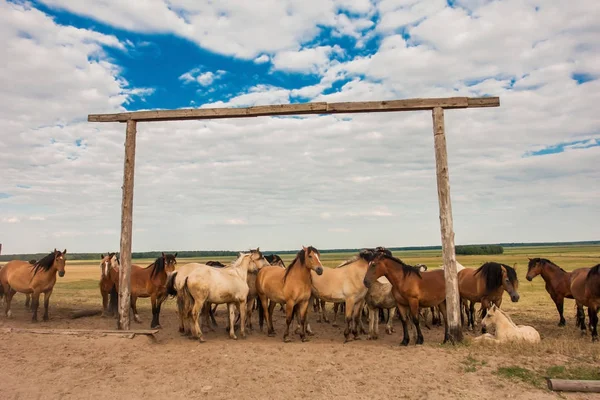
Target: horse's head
{"points": [[60, 260], [312, 259], [170, 262], [490, 316], [115, 262], [421, 267], [257, 260], [105, 264], [274, 259], [376, 268], [534, 268], [510, 282]]}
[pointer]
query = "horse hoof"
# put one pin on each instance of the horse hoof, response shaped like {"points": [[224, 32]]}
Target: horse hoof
{"points": [[287, 340], [46, 319], [9, 314], [335, 325], [305, 339], [201, 340], [562, 323], [271, 334], [233, 337], [356, 337], [594, 338], [404, 343], [156, 327]]}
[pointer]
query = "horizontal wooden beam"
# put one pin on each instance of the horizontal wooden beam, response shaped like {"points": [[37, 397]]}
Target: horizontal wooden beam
{"points": [[299, 109], [148, 332]]}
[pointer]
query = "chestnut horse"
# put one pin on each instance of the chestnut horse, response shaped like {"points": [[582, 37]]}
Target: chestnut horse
{"points": [[486, 285], [293, 286], [585, 288], [107, 286], [411, 289], [148, 282], [558, 282], [23, 277]]}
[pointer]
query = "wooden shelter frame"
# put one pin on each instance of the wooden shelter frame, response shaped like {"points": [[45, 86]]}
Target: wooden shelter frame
{"points": [[436, 105]]}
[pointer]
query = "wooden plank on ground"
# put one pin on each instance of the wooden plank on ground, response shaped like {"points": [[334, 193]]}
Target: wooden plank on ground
{"points": [[299, 109], [148, 332], [566, 385]]}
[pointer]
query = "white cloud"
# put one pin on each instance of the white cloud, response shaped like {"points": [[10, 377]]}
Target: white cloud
{"points": [[339, 230], [256, 96], [202, 78], [263, 58], [305, 60], [10, 220], [236, 221]]}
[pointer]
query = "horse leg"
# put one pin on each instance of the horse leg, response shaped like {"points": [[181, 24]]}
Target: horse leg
{"points": [[559, 301], [136, 316], [593, 316], [303, 311], [373, 324], [211, 314], [357, 316], [444, 313], [485, 303], [28, 301], [249, 310], [231, 310], [289, 316], [104, 302], [242, 309], [471, 317], [46, 304], [9, 293], [182, 329], [35, 303], [323, 309], [402, 315], [389, 328], [154, 322], [195, 328], [349, 314], [336, 307]]}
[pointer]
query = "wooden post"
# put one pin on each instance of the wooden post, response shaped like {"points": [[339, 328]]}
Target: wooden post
{"points": [[565, 385], [446, 226], [126, 227]]}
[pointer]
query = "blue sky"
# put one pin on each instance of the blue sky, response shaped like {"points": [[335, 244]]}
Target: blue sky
{"points": [[526, 171]]}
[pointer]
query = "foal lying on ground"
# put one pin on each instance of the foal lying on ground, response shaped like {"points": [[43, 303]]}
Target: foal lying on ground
{"points": [[506, 329]]}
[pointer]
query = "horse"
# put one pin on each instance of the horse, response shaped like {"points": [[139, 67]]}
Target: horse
{"points": [[558, 282], [107, 286], [216, 264], [23, 277], [274, 259], [506, 329], [585, 288], [411, 289], [148, 282], [220, 285], [344, 284], [486, 285], [292, 286]]}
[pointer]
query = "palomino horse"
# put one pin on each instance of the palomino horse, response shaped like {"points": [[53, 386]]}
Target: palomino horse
{"points": [[411, 289], [23, 277], [585, 288], [107, 286], [292, 286], [558, 282], [506, 329], [148, 282], [344, 284], [486, 285], [219, 285]]}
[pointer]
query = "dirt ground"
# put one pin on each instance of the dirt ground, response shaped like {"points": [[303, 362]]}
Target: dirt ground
{"points": [[35, 366]]}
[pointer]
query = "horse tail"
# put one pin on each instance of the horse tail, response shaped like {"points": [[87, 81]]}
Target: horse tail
{"points": [[188, 299], [594, 288], [171, 289], [261, 312]]}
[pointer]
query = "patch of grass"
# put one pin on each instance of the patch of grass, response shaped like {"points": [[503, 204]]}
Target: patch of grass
{"points": [[522, 374], [573, 372], [470, 364]]}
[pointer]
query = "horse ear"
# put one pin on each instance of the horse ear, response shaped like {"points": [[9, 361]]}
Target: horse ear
{"points": [[515, 266], [101, 256], [303, 247], [529, 258], [65, 252], [258, 249], [175, 255], [163, 254]]}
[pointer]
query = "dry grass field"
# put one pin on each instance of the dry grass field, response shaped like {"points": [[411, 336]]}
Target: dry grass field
{"points": [[49, 366]]}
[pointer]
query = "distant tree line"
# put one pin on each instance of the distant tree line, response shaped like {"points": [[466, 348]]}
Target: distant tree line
{"points": [[470, 250]]}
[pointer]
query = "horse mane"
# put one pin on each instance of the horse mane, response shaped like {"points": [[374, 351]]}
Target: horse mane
{"points": [[301, 257], [594, 271], [44, 264], [512, 274], [535, 260], [407, 269], [506, 316], [158, 265], [367, 255], [492, 273]]}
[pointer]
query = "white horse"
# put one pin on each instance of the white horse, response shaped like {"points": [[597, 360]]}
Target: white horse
{"points": [[506, 329], [200, 283]]}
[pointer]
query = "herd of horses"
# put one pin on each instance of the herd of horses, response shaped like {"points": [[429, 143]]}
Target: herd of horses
{"points": [[373, 279]]}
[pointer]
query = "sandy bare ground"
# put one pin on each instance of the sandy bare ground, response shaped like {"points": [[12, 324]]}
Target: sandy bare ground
{"points": [[82, 367]]}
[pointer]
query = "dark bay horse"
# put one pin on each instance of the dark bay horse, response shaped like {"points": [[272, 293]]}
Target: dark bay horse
{"points": [[149, 282], [107, 285], [585, 288], [291, 286], [23, 277], [486, 285], [412, 290], [558, 282]]}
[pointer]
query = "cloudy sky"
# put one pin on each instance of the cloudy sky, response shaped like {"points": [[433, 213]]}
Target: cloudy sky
{"points": [[526, 171]]}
